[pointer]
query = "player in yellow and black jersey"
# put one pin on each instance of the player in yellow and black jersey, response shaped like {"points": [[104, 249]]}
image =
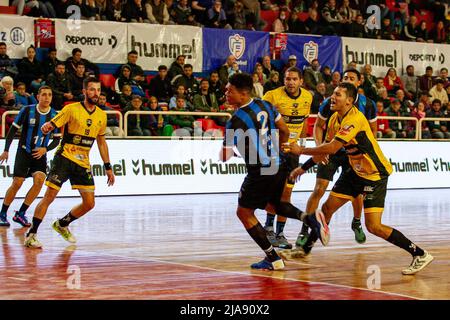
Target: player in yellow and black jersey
{"points": [[294, 104], [82, 123], [368, 173]]}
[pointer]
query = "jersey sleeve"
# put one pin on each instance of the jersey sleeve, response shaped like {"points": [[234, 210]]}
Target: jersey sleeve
{"points": [[325, 109], [62, 117], [268, 96], [348, 130], [371, 112], [20, 119]]}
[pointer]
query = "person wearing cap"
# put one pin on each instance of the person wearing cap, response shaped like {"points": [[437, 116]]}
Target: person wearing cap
{"points": [[438, 91], [138, 124], [292, 62], [176, 67]]}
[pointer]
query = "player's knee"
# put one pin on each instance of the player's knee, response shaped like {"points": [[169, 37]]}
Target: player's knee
{"points": [[38, 181], [374, 228], [89, 204]]}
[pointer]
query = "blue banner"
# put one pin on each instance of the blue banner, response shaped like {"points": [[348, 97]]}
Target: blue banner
{"points": [[307, 48], [247, 46]]}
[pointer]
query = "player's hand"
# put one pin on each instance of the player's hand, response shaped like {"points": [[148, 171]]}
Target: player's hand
{"points": [[4, 156], [296, 173], [324, 159], [293, 148], [47, 127], [111, 177], [39, 152]]}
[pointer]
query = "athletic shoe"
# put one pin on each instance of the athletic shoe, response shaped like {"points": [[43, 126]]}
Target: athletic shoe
{"points": [[21, 219], [32, 242], [418, 263], [271, 236], [302, 238], [301, 252], [283, 242], [4, 220], [265, 264], [317, 222], [360, 237], [64, 232]]}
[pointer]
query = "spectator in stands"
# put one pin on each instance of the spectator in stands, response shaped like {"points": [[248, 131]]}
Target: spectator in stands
{"points": [[387, 32], [234, 69], [204, 100], [49, 64], [439, 8], [318, 97], [426, 80], [280, 24], [176, 67], [182, 11], [223, 70], [258, 90], [157, 12], [158, 123], [392, 82], [348, 15], [22, 97], [124, 78], [114, 10], [443, 75], [7, 100], [216, 16], [438, 129], [422, 32], [76, 81], [399, 126], [312, 24], [326, 74], [180, 91], [39, 8], [383, 95], [138, 124], [200, 9], [268, 67], [369, 84], [424, 97], [438, 92], [89, 10], [292, 62], [216, 87], [358, 27], [30, 71], [254, 8], [259, 71], [273, 82], [295, 25], [61, 87], [134, 11], [72, 62], [419, 113], [405, 104], [332, 18], [61, 8], [7, 66], [188, 80], [101, 5], [410, 31], [238, 17], [112, 123], [184, 122], [160, 86], [335, 80], [383, 130], [380, 86], [125, 97], [410, 82], [438, 34], [352, 65], [312, 75]]}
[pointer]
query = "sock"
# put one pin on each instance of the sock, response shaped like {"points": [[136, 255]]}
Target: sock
{"points": [[34, 226], [286, 209], [305, 228], [67, 219], [23, 208], [397, 238], [356, 222], [280, 226], [269, 220], [4, 208], [258, 234]]}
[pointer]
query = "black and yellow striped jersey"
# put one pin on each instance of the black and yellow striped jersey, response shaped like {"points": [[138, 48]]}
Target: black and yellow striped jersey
{"points": [[294, 110], [365, 155], [81, 128]]}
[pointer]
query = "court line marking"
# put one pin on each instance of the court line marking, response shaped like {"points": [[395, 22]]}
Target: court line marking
{"points": [[18, 279]]}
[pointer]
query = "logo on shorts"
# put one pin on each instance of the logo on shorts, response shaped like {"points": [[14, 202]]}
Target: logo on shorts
{"points": [[76, 140], [346, 130], [55, 178], [236, 44], [368, 189], [89, 122]]}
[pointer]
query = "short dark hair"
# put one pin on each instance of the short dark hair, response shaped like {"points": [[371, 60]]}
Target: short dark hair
{"points": [[59, 63], [132, 52], [410, 66], [214, 71], [187, 65], [204, 80], [81, 63], [350, 89], [429, 68], [43, 88], [295, 69], [51, 50], [3, 43], [436, 101], [76, 50], [20, 84], [180, 96], [89, 80], [444, 68], [358, 74], [242, 81], [162, 67], [103, 93]]}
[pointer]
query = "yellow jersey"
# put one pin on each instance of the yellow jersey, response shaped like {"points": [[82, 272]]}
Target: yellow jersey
{"points": [[81, 128], [364, 153], [294, 110]]}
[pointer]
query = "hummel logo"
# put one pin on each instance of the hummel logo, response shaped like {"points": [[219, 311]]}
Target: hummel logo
{"points": [[136, 169], [204, 168]]}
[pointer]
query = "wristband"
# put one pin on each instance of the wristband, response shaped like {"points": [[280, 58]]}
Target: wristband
{"points": [[308, 164], [107, 166]]}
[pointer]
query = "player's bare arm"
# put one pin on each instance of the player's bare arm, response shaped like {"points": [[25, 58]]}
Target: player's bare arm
{"points": [[324, 149], [104, 154]]}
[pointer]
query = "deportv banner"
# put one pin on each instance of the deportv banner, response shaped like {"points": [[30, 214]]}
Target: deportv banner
{"points": [[18, 34], [101, 42], [247, 46], [381, 54], [180, 167], [307, 48], [421, 55], [160, 45]]}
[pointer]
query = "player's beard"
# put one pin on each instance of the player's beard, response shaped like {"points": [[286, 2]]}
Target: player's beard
{"points": [[92, 100]]}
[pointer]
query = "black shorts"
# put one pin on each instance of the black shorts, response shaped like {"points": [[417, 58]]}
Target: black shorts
{"points": [[63, 169], [259, 190], [350, 185], [328, 170], [25, 165]]}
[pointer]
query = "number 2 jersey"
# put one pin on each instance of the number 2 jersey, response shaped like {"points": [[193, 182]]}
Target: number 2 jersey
{"points": [[81, 128]]}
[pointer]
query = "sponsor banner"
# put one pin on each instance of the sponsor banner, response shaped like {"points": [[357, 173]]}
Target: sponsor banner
{"points": [[381, 54], [101, 42], [421, 55], [307, 48], [247, 46], [178, 167], [160, 45], [18, 34]]}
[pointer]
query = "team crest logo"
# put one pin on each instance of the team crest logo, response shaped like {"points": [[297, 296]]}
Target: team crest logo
{"points": [[32, 122], [89, 122], [310, 51], [236, 44], [76, 140]]}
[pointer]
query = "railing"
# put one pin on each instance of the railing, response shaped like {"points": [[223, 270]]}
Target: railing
{"points": [[431, 119], [414, 119]]}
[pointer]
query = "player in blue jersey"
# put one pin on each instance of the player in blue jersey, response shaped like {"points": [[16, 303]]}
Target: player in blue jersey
{"points": [[256, 130], [326, 171], [31, 159]]}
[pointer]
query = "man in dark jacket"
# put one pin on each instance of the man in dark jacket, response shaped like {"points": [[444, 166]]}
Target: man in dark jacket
{"points": [[188, 80], [176, 67], [61, 87], [160, 86], [7, 66], [49, 64], [72, 62]]}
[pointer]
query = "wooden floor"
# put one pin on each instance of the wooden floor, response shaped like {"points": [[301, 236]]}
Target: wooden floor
{"points": [[193, 247]]}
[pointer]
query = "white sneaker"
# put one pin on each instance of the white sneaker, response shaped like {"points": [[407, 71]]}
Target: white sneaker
{"points": [[32, 242], [418, 263]]}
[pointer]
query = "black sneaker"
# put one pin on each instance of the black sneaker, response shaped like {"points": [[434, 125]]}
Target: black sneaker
{"points": [[4, 221], [21, 219], [283, 243]]}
